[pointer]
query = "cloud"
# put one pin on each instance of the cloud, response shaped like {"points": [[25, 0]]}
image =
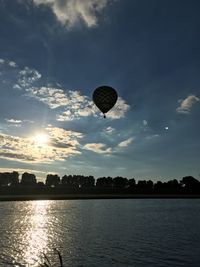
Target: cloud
{"points": [[53, 97], [109, 130], [153, 136], [77, 108], [72, 12], [71, 103], [12, 64], [98, 148], [62, 144], [187, 103], [8, 63], [145, 122], [13, 121], [18, 123], [27, 77], [20, 79], [63, 138], [74, 104], [126, 142], [119, 110]]}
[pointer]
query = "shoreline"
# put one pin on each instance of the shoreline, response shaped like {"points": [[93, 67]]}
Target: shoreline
{"points": [[95, 196]]}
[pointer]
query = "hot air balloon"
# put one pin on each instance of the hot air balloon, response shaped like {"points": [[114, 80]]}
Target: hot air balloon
{"points": [[104, 98]]}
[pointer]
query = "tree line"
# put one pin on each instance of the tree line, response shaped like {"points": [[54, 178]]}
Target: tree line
{"points": [[10, 182]]}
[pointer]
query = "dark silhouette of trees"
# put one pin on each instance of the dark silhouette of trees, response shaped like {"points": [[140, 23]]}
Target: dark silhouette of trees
{"points": [[104, 182], [190, 184], [120, 182], [75, 184], [158, 187], [79, 181], [87, 181], [131, 183], [144, 186], [149, 185], [173, 186], [28, 179], [67, 180], [14, 178], [52, 180], [9, 178], [170, 187], [141, 184]]}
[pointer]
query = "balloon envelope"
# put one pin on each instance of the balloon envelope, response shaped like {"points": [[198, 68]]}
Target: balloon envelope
{"points": [[105, 98]]}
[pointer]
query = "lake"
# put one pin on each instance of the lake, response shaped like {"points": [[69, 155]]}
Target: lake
{"points": [[126, 232]]}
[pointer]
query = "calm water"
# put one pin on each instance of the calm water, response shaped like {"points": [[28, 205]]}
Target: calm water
{"points": [[101, 232]]}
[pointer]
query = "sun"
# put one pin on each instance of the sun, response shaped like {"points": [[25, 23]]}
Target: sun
{"points": [[41, 139]]}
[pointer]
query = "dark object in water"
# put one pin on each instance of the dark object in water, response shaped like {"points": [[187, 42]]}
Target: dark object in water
{"points": [[47, 262]]}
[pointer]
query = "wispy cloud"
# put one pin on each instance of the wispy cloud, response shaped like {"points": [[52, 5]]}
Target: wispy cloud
{"points": [[61, 145], [13, 121], [186, 104], [119, 110], [17, 122], [153, 136], [98, 148], [53, 97], [71, 104], [8, 63], [63, 138], [12, 64], [126, 142], [27, 77], [72, 12], [145, 122], [109, 130]]}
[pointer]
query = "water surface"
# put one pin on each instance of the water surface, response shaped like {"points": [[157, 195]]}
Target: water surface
{"points": [[126, 232]]}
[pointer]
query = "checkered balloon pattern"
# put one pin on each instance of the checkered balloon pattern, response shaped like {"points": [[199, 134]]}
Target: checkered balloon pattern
{"points": [[105, 98]]}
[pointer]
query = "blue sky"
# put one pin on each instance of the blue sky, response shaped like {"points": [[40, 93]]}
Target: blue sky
{"points": [[54, 53]]}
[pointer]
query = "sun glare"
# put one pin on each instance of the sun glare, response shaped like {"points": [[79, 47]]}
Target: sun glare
{"points": [[41, 139]]}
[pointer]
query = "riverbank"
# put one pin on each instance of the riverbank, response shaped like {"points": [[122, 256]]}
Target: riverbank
{"points": [[95, 196]]}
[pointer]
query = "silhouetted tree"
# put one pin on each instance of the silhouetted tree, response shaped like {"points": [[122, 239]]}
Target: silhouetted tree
{"points": [[9, 178], [14, 178], [52, 180], [131, 183], [104, 182], [141, 184], [4, 178], [173, 186], [87, 181], [28, 179], [190, 184], [67, 180], [158, 187], [40, 184], [149, 185], [120, 182]]}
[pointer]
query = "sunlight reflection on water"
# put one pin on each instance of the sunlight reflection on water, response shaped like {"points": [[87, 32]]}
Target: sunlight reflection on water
{"points": [[36, 235], [30, 234]]}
